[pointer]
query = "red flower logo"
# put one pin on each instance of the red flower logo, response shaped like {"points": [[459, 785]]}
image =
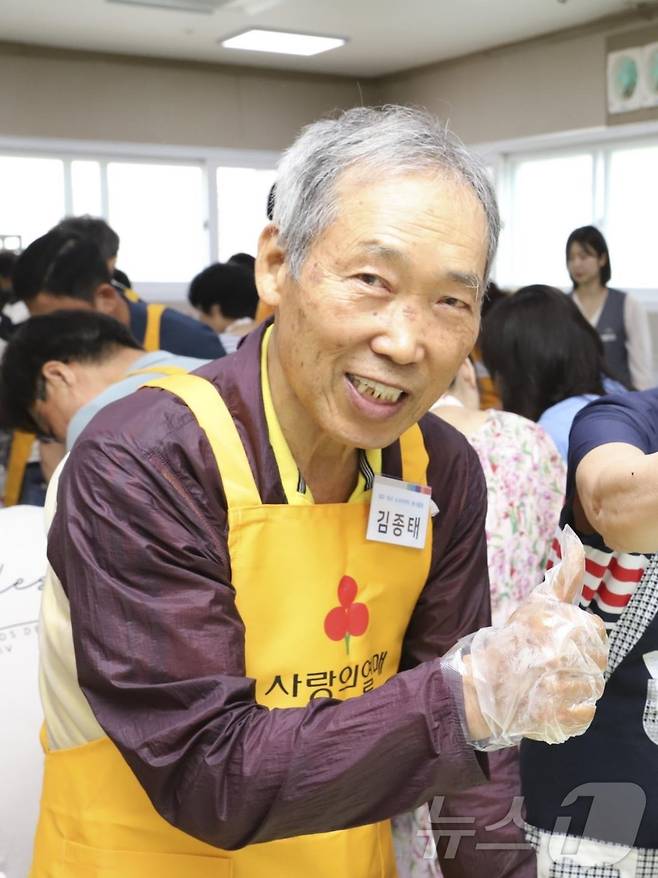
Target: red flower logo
{"points": [[349, 619]]}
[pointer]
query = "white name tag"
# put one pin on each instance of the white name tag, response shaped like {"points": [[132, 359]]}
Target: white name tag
{"points": [[399, 512]]}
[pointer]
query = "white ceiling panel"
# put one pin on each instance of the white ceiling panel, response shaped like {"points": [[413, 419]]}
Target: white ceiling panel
{"points": [[384, 36]]}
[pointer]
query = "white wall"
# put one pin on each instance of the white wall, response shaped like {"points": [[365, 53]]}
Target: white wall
{"points": [[79, 95], [547, 85]]}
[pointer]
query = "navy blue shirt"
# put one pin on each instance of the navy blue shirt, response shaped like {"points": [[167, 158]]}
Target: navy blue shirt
{"points": [[179, 333], [631, 418]]}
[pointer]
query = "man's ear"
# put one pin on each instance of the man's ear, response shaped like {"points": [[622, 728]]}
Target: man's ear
{"points": [[58, 374], [270, 266], [106, 300]]}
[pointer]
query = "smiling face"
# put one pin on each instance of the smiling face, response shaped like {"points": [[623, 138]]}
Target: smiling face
{"points": [[385, 308]]}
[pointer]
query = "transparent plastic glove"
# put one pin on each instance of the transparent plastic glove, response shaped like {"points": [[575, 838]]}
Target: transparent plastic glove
{"points": [[540, 675]]}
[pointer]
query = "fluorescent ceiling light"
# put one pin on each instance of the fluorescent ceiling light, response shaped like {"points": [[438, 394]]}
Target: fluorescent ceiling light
{"points": [[205, 6], [281, 42]]}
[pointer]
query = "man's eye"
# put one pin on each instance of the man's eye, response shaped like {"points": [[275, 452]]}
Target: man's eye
{"points": [[370, 280], [453, 302]]}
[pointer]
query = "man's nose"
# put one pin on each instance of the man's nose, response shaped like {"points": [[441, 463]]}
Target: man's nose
{"points": [[402, 339]]}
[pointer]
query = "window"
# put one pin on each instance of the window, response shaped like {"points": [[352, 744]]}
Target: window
{"points": [[32, 196], [630, 219], [610, 183], [166, 208], [550, 198], [159, 212], [86, 188], [242, 208]]}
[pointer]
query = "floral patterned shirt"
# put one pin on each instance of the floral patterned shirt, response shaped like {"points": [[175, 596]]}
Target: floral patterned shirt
{"points": [[526, 480]]}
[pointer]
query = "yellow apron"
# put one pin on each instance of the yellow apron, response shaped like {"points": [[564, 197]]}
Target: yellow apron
{"points": [[19, 454], [329, 622]]}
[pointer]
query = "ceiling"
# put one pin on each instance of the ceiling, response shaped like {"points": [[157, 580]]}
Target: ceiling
{"points": [[385, 36]]}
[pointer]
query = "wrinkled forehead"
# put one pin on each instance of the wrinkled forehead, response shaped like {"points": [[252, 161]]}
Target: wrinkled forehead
{"points": [[436, 207], [451, 195], [358, 177]]}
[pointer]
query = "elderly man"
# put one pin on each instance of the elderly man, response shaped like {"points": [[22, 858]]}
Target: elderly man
{"points": [[243, 550]]}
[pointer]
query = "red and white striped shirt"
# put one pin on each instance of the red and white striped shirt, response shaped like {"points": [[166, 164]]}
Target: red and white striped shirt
{"points": [[610, 579]]}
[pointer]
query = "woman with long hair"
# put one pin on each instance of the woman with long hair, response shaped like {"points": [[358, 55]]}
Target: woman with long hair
{"points": [[618, 318], [546, 360]]}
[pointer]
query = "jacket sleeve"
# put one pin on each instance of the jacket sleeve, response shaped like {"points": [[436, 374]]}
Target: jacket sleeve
{"points": [[139, 543]]}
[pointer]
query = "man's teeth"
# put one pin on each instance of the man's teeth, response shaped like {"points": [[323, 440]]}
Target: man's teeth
{"points": [[376, 390]]}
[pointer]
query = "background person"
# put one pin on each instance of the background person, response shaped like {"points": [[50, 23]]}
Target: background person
{"points": [[545, 359], [489, 396], [526, 482], [7, 260], [60, 369], [97, 230], [59, 271], [225, 297], [618, 317], [611, 503], [94, 228], [65, 270]]}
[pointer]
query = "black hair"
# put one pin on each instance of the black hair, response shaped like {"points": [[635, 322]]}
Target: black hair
{"points": [[540, 350], [245, 260], [92, 228], [74, 336], [77, 271], [122, 278], [33, 263], [228, 285], [7, 260], [591, 239], [492, 295]]}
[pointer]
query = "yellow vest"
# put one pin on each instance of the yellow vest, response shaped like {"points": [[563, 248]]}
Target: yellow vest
{"points": [[96, 820], [152, 333]]}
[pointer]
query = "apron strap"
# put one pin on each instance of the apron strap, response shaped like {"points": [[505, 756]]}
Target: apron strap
{"points": [[19, 454], [415, 459], [214, 418], [152, 333], [130, 294], [157, 370]]}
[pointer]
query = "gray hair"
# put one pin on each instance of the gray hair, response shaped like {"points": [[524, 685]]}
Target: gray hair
{"points": [[388, 140]]}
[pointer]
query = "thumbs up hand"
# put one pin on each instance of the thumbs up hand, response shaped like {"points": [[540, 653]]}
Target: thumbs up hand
{"points": [[539, 675]]}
